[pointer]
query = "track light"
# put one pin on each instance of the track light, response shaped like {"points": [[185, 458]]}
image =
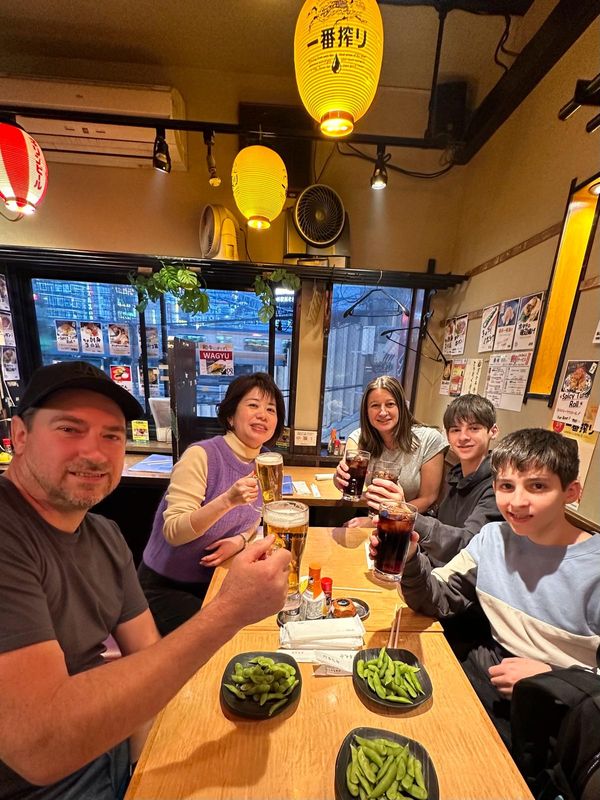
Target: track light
{"points": [[213, 178], [379, 178], [161, 159]]}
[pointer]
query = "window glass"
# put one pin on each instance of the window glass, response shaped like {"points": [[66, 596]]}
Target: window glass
{"points": [[232, 324], [368, 342], [95, 322]]}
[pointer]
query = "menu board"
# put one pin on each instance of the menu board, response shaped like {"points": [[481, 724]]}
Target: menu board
{"points": [[119, 339], [489, 321], [507, 379], [456, 376], [507, 320], [152, 341], [66, 336], [445, 382], [528, 319], [215, 359], [574, 394], [10, 364], [122, 376], [4, 304], [472, 376], [90, 334]]}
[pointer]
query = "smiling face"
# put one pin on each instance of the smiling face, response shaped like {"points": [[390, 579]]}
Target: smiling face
{"points": [[533, 501], [382, 412], [471, 442], [255, 418]]}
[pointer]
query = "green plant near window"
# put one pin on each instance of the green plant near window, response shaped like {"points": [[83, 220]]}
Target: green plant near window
{"points": [[189, 288]]}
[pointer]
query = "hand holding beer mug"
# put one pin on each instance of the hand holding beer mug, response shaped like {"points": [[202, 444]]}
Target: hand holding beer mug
{"points": [[394, 527], [357, 462], [382, 470], [269, 470], [287, 520]]}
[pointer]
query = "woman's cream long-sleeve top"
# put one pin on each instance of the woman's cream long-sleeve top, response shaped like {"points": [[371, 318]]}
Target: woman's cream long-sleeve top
{"points": [[187, 489]]}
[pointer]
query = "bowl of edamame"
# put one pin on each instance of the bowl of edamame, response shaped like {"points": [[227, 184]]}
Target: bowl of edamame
{"points": [[375, 763], [261, 684], [391, 677]]}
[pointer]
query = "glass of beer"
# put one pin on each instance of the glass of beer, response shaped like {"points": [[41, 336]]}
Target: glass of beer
{"points": [[394, 527], [287, 520], [386, 470], [269, 470], [357, 462]]}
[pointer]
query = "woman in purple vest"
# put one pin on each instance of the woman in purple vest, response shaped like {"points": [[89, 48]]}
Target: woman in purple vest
{"points": [[208, 513]]}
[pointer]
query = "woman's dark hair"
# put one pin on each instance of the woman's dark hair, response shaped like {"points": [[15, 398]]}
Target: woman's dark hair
{"points": [[239, 388], [532, 448], [404, 438]]}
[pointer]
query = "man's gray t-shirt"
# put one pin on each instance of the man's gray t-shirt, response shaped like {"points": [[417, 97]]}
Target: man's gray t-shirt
{"points": [[75, 588]]}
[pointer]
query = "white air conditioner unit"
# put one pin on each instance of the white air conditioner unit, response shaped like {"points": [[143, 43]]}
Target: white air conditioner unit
{"points": [[92, 143]]}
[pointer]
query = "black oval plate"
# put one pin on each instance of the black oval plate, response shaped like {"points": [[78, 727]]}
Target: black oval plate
{"points": [[416, 748], [363, 688], [248, 708]]}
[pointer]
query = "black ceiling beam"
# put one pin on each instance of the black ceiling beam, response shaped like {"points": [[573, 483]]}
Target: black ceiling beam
{"points": [[558, 33], [494, 7], [71, 115]]}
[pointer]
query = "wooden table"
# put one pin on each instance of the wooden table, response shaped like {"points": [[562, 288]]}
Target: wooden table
{"points": [[195, 751], [341, 552], [330, 496]]}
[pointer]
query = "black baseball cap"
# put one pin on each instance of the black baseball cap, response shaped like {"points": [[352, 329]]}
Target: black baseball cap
{"points": [[76, 375]]}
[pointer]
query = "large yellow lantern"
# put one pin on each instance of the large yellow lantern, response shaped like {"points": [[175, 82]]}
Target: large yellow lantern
{"points": [[338, 49], [259, 181]]}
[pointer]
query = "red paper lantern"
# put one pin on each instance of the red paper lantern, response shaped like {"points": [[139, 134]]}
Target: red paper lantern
{"points": [[23, 170]]}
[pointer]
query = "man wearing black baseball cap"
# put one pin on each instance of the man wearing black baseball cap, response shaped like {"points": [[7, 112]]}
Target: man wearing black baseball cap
{"points": [[67, 582]]}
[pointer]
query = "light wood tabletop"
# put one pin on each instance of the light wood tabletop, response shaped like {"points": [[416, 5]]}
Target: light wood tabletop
{"points": [[195, 751], [342, 555]]}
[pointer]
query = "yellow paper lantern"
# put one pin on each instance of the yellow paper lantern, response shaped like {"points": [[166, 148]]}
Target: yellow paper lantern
{"points": [[259, 181], [338, 49]]}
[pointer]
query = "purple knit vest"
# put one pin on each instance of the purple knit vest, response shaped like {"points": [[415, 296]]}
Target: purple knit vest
{"points": [[182, 563]]}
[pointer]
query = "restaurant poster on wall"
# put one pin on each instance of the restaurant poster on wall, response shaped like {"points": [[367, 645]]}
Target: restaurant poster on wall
{"points": [[448, 336], [574, 393], [596, 339], [152, 341], [586, 436], [445, 382], [10, 364], [457, 376], [215, 359], [122, 376], [66, 336], [90, 334], [460, 335], [507, 379], [507, 321], [4, 302], [119, 339], [472, 376], [487, 334], [528, 319]]}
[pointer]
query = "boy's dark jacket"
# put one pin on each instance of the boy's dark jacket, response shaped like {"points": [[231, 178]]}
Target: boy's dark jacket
{"points": [[468, 505]]}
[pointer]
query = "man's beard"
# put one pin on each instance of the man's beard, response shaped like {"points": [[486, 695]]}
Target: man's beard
{"points": [[65, 499]]}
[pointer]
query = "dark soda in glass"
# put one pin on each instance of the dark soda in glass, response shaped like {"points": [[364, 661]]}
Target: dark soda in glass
{"points": [[394, 528], [357, 464]]}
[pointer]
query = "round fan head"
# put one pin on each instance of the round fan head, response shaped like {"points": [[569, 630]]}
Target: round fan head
{"points": [[207, 231], [319, 215]]}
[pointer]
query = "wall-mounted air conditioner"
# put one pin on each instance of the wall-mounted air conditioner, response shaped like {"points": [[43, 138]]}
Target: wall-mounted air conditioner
{"points": [[91, 143]]}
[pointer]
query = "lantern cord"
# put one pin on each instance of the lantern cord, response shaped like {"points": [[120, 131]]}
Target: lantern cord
{"points": [[250, 259], [411, 173], [323, 168]]}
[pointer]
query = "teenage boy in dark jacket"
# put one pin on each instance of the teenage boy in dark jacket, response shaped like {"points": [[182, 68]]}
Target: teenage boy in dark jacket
{"points": [[469, 502]]}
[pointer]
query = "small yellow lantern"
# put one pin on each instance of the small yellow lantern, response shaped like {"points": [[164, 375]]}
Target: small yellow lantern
{"points": [[259, 181], [338, 49]]}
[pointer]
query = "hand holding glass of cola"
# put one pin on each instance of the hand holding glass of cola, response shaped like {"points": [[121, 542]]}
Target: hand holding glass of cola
{"points": [[394, 528], [357, 462]]}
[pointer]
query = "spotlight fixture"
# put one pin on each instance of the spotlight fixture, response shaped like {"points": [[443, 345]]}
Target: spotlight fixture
{"points": [[594, 188], [161, 159], [379, 178], [213, 178], [587, 93]]}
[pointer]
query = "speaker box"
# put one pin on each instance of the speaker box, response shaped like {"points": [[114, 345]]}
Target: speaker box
{"points": [[450, 115], [296, 153]]}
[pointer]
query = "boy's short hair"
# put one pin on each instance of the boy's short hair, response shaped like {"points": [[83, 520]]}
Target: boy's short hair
{"points": [[538, 447], [470, 408]]}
